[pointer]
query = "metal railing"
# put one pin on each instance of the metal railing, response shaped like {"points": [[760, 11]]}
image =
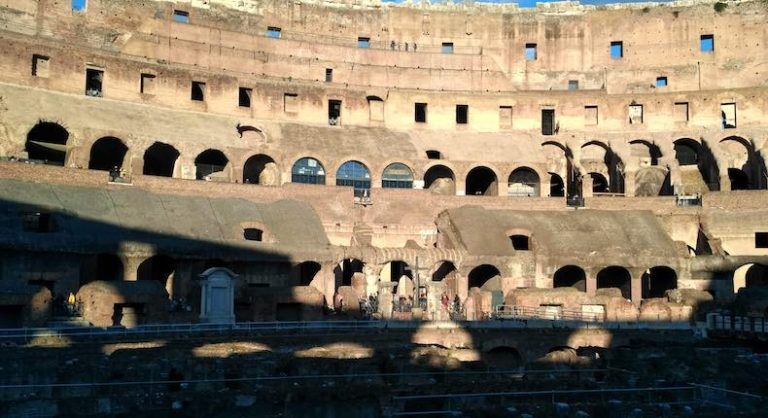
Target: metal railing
{"points": [[545, 313], [732, 324]]}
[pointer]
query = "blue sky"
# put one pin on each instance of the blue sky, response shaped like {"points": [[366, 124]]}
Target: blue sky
{"points": [[532, 3]]}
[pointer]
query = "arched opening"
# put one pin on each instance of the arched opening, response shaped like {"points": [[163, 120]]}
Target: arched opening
{"points": [[394, 270], [356, 175], [481, 274], [308, 171], [648, 152], [107, 153], [106, 267], [159, 268], [503, 358], [757, 275], [524, 182], [160, 160], [481, 181], [307, 271], [616, 277], [738, 178], [210, 164], [261, 169], [570, 276], [556, 185], [749, 171], [397, 176], [598, 157], [445, 270], [572, 182], [689, 152], [345, 270], [657, 280], [599, 183], [47, 142], [440, 180]]}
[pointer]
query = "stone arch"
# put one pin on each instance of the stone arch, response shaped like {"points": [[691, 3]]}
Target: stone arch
{"points": [[481, 181], [656, 281], [306, 272], [47, 141], [750, 275], [106, 267], [570, 276], [599, 183], [344, 271], [503, 357], [211, 164], [481, 274], [397, 176], [107, 153], [160, 159], [440, 180], [572, 181], [689, 152], [607, 160], [524, 181], [160, 268], [261, 169], [443, 270], [308, 170], [616, 277], [746, 167], [556, 185], [356, 175], [648, 152]]}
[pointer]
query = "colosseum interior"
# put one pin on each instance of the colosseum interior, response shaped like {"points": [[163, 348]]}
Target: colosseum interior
{"points": [[349, 159]]}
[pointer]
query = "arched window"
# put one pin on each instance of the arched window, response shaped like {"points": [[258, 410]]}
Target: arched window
{"points": [[397, 176], [47, 142], [481, 181], [556, 186], [107, 153], [356, 175], [261, 169], [440, 179], [209, 163], [160, 160], [308, 171], [616, 277], [599, 183], [657, 280], [570, 276], [687, 152], [523, 182], [481, 274]]}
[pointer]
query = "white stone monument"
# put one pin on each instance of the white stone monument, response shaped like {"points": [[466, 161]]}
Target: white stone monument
{"points": [[217, 303]]}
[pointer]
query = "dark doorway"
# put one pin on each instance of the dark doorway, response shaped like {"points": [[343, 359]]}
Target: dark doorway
{"points": [[616, 277], [599, 183], [107, 267], [481, 181], [657, 281], [210, 162], [440, 178], [334, 112], [288, 312], [254, 168], [47, 142], [159, 268], [446, 269], [739, 180], [307, 272], [548, 122], [11, 316], [570, 276], [107, 153], [345, 270], [481, 274], [556, 186], [160, 160]]}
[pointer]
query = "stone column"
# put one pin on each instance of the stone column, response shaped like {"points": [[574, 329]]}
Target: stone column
{"points": [[586, 186], [629, 183], [591, 284], [131, 267]]}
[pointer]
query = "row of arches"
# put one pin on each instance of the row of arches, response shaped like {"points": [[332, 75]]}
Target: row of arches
{"points": [[655, 282], [47, 141]]}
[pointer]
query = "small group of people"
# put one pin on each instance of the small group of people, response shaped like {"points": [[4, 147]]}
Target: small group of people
{"points": [[402, 304], [116, 174], [451, 307]]}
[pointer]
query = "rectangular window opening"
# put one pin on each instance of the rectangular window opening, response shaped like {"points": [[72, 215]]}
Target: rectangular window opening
{"points": [[198, 91], [290, 102], [181, 16], [728, 115], [573, 84], [244, 97], [681, 112], [707, 43], [329, 75], [548, 126], [376, 109], [661, 82], [635, 114], [447, 48], [505, 116], [530, 52], [420, 113], [761, 239], [590, 115], [274, 32], [617, 50], [334, 112], [147, 83], [462, 114], [79, 5], [94, 79], [363, 42], [40, 66]]}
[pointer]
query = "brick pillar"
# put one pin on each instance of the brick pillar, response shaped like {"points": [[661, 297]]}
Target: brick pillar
{"points": [[586, 186], [629, 184], [591, 284]]}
